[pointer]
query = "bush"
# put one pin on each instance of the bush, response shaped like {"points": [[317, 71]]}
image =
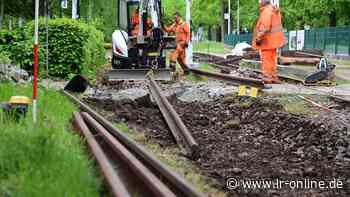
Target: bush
{"points": [[4, 58], [73, 47]]}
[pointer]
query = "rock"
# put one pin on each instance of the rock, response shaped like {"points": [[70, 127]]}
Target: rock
{"points": [[11, 72], [232, 124], [243, 155], [237, 170]]}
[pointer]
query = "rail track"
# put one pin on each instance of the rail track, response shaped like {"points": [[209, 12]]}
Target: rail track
{"points": [[115, 151], [232, 63], [340, 99], [180, 132]]}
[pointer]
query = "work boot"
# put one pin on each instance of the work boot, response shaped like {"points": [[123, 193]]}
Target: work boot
{"points": [[172, 66], [267, 87], [174, 76], [276, 81], [185, 69], [267, 81]]}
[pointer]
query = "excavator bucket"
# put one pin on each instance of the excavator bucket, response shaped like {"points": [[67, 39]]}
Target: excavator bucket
{"points": [[138, 74], [77, 84]]}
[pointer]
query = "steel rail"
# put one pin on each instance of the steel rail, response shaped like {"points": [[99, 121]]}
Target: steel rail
{"points": [[230, 78], [148, 159], [148, 178], [114, 182], [338, 98], [182, 135]]}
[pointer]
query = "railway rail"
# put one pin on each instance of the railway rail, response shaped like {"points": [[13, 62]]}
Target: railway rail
{"points": [[230, 78], [232, 62], [111, 147], [180, 132]]}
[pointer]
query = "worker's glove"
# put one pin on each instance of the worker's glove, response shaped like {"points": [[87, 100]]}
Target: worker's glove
{"points": [[258, 42]]}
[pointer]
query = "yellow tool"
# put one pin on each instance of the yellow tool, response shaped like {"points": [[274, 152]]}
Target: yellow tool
{"points": [[246, 91], [17, 106]]}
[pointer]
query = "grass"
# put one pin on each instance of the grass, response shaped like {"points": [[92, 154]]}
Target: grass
{"points": [[46, 158], [295, 105], [170, 157], [197, 78], [211, 47], [341, 62]]}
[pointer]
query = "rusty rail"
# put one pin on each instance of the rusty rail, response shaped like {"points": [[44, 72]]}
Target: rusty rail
{"points": [[148, 178], [230, 78], [338, 98], [180, 132], [114, 182], [147, 158]]}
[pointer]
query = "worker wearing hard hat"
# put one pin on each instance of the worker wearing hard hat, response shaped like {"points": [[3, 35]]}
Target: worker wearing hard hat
{"points": [[183, 36], [268, 36]]}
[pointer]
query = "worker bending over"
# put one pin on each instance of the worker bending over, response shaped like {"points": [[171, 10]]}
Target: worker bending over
{"points": [[183, 36], [268, 36]]}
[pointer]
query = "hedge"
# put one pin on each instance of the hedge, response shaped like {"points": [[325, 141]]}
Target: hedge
{"points": [[73, 46]]}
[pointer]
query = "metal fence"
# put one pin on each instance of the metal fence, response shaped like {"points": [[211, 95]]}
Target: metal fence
{"points": [[332, 40]]}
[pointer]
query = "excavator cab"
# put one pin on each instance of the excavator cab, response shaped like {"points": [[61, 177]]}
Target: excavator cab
{"points": [[135, 54]]}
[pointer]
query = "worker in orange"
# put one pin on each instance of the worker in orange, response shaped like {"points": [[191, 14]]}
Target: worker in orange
{"points": [[183, 36], [135, 22], [268, 36]]}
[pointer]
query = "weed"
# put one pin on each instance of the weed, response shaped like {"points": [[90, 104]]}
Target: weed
{"points": [[46, 158]]}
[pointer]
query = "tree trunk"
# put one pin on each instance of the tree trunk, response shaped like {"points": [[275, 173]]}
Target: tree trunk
{"points": [[333, 19], [222, 20], [47, 17], [1, 12]]}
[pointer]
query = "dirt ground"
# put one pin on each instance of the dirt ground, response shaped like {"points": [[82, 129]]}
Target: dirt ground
{"points": [[254, 139]]}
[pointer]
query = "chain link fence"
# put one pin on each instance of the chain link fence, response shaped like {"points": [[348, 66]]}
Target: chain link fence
{"points": [[332, 40]]}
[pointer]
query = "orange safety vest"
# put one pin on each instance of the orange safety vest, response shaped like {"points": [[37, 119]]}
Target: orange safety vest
{"points": [[135, 22], [181, 30], [269, 29]]}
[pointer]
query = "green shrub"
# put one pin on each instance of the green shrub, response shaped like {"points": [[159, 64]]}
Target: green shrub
{"points": [[73, 47], [4, 58]]}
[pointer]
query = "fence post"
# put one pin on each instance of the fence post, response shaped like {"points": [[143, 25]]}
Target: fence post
{"points": [[314, 40], [325, 39], [348, 41], [336, 42]]}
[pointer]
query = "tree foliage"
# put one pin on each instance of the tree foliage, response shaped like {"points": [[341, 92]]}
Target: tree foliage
{"points": [[296, 13]]}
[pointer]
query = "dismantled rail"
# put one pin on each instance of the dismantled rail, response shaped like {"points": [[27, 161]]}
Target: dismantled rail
{"points": [[180, 132], [178, 184], [341, 99], [114, 182], [157, 187], [230, 78]]}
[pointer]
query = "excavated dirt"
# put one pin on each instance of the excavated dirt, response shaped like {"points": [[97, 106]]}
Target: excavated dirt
{"points": [[254, 139]]}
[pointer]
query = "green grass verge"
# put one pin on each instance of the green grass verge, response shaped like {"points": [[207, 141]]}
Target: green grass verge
{"points": [[211, 47], [340, 62], [46, 158], [170, 157]]}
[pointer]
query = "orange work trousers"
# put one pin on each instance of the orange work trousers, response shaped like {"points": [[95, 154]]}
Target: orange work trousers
{"points": [[269, 65], [179, 55]]}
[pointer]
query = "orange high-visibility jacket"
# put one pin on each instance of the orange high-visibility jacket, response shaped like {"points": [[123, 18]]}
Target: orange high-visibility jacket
{"points": [[182, 31], [135, 22], [269, 29]]}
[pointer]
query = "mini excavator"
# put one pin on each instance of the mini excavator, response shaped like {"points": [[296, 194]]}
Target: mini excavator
{"points": [[134, 56]]}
